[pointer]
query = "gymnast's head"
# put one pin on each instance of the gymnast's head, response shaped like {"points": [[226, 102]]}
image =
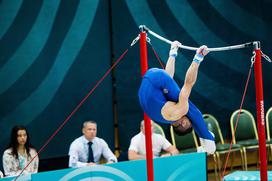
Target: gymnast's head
{"points": [[182, 126]]}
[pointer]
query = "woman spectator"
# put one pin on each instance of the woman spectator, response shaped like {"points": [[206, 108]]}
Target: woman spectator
{"points": [[19, 153]]}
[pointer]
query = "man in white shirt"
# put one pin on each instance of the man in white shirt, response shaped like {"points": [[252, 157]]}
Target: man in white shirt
{"points": [[137, 149], [88, 149]]}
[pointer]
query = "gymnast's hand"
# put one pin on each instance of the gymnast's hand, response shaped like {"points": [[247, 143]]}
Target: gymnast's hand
{"points": [[201, 52], [174, 49]]}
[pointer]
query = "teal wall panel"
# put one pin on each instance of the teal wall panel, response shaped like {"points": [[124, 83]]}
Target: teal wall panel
{"points": [[178, 168], [52, 54]]}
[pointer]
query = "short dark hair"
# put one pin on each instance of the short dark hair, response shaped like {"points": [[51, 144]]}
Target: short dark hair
{"points": [[179, 130], [89, 121]]}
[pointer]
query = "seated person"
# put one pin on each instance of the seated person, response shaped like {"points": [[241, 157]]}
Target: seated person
{"points": [[88, 149], [137, 149], [19, 153]]}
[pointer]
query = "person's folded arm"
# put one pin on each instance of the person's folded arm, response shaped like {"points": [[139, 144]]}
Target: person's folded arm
{"points": [[133, 155]]}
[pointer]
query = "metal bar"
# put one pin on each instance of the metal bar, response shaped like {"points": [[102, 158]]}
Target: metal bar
{"points": [[260, 111], [147, 121], [245, 45]]}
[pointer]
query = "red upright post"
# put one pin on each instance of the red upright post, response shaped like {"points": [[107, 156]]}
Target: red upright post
{"points": [[260, 111], [148, 140]]}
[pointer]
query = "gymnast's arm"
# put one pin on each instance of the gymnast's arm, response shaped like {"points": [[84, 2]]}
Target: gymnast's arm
{"points": [[170, 65], [174, 111]]}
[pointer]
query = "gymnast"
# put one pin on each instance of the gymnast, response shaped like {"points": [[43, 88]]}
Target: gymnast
{"points": [[163, 101]]}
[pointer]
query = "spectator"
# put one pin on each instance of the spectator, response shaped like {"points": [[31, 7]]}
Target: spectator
{"points": [[88, 149], [137, 149], [19, 153]]}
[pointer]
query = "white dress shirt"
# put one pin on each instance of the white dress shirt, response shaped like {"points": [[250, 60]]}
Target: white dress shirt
{"points": [[159, 143], [79, 151]]}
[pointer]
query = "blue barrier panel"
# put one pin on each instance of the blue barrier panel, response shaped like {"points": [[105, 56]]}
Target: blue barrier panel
{"points": [[246, 175], [185, 167]]}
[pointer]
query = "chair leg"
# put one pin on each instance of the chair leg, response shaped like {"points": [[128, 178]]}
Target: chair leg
{"points": [[215, 166], [258, 159], [270, 154], [219, 164], [268, 149], [232, 160], [242, 159], [245, 158]]}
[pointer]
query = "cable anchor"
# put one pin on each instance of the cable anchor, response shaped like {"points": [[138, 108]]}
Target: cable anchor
{"points": [[137, 39], [266, 57]]}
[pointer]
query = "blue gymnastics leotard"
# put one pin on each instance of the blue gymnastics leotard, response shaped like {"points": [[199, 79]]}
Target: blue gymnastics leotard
{"points": [[156, 89]]}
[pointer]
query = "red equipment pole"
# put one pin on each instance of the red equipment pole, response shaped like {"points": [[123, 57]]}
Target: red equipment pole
{"points": [[260, 111], [147, 121]]}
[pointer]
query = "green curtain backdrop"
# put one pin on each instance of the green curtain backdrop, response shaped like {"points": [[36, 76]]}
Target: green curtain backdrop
{"points": [[52, 53]]}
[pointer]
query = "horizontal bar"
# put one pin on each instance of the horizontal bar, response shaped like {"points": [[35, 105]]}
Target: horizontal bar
{"points": [[245, 45]]}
